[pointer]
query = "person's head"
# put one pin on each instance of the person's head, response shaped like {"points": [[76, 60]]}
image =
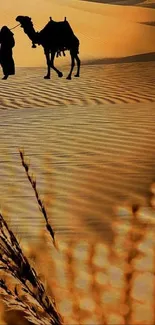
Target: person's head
{"points": [[5, 31]]}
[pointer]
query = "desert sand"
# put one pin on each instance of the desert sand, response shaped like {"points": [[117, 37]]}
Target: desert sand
{"points": [[91, 146], [90, 143], [104, 30], [91, 140]]}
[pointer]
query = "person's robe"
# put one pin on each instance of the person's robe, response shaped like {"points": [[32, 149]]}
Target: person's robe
{"points": [[6, 59]]}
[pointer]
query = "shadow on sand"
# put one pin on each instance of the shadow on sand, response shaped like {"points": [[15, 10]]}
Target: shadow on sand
{"points": [[146, 57], [141, 3]]}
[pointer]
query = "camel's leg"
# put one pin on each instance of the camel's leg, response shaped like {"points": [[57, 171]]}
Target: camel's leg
{"points": [[47, 54], [78, 66], [72, 66], [59, 73]]}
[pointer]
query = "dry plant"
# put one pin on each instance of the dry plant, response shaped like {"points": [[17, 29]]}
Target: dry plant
{"points": [[28, 294], [32, 299], [32, 181], [106, 285], [92, 282]]}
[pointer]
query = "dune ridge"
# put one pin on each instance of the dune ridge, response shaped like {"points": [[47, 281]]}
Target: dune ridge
{"points": [[104, 30], [141, 3]]}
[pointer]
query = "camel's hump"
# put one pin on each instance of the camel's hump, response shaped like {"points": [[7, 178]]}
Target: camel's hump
{"points": [[57, 27]]}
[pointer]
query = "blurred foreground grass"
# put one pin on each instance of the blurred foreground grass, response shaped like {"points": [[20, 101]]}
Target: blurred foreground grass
{"points": [[94, 283]]}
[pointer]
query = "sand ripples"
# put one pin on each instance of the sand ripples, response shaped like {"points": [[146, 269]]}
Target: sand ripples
{"points": [[87, 159], [99, 84]]}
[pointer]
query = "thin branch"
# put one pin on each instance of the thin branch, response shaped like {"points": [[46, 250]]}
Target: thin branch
{"points": [[32, 181]]}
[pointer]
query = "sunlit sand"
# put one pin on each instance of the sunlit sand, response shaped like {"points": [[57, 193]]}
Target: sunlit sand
{"points": [[99, 127], [104, 30], [91, 146], [90, 142]]}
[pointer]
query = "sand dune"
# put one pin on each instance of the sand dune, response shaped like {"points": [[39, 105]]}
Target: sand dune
{"points": [[146, 57], [104, 30], [90, 141], [143, 3], [75, 124], [99, 84], [91, 145]]}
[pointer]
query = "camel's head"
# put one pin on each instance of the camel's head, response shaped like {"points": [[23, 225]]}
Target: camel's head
{"points": [[27, 25], [25, 22]]}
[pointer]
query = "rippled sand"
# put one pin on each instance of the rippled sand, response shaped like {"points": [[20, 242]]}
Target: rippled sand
{"points": [[99, 84], [91, 147], [91, 143]]}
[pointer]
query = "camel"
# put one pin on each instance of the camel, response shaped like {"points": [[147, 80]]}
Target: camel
{"points": [[55, 37]]}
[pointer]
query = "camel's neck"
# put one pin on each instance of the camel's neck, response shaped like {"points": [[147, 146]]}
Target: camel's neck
{"points": [[32, 34]]}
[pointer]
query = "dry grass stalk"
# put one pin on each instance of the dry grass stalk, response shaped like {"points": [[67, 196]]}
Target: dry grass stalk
{"points": [[133, 236], [95, 290], [33, 300], [38, 307], [39, 201], [13, 301]]}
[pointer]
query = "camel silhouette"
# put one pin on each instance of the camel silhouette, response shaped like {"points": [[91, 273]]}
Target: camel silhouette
{"points": [[55, 37]]}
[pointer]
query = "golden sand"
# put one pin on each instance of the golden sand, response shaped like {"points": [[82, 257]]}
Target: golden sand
{"points": [[91, 145], [90, 142], [104, 30], [94, 282]]}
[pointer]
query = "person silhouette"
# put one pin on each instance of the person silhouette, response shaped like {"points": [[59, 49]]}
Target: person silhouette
{"points": [[7, 42]]}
